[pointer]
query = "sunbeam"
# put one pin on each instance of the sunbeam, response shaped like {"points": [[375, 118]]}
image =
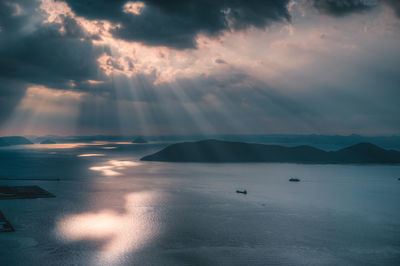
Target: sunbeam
{"points": [[43, 107]]}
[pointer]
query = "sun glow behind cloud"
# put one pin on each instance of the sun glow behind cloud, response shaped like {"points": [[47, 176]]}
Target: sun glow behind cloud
{"points": [[135, 8], [286, 47], [132, 58]]}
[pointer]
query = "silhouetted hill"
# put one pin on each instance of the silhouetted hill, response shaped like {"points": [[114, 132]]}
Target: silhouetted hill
{"points": [[224, 151], [366, 153], [14, 140], [48, 141]]}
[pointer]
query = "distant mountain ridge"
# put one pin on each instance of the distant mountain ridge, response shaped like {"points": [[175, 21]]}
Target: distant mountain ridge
{"points": [[225, 151], [324, 142], [139, 140], [14, 140], [48, 141]]}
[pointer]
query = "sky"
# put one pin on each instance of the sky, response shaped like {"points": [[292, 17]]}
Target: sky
{"points": [[154, 67]]}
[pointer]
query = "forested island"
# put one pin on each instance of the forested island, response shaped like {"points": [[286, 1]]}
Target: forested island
{"points": [[217, 151]]}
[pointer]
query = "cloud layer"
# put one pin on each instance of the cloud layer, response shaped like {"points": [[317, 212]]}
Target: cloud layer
{"points": [[176, 23], [342, 7], [165, 67]]}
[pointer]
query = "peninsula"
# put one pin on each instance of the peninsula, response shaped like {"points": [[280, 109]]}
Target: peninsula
{"points": [[14, 140]]}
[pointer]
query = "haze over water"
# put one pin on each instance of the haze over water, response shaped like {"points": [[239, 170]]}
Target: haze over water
{"points": [[116, 210]]}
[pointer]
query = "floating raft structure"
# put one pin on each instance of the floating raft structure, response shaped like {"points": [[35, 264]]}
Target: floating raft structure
{"points": [[23, 192], [30, 179], [5, 225]]}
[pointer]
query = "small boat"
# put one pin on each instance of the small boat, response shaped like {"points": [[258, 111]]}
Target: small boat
{"points": [[293, 179], [241, 191]]}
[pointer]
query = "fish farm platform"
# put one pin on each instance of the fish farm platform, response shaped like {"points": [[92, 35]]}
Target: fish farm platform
{"points": [[5, 225], [23, 192]]}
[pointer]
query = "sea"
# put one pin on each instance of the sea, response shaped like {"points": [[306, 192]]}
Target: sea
{"points": [[113, 209]]}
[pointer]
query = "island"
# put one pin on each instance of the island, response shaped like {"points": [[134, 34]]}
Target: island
{"points": [[14, 140], [217, 151], [48, 141], [139, 140]]}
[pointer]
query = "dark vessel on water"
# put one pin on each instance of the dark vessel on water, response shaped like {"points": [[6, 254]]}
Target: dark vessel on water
{"points": [[241, 191], [293, 179]]}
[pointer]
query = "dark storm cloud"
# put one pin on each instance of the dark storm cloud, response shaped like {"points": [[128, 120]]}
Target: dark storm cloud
{"points": [[35, 53], [220, 61], [342, 7], [395, 4], [176, 23], [48, 58], [10, 21], [39, 53], [345, 7]]}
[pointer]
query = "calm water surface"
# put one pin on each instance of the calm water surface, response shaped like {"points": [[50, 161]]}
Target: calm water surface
{"points": [[112, 209]]}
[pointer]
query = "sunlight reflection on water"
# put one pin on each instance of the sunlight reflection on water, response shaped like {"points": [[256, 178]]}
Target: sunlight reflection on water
{"points": [[120, 233], [111, 167], [57, 145], [91, 155], [68, 145]]}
